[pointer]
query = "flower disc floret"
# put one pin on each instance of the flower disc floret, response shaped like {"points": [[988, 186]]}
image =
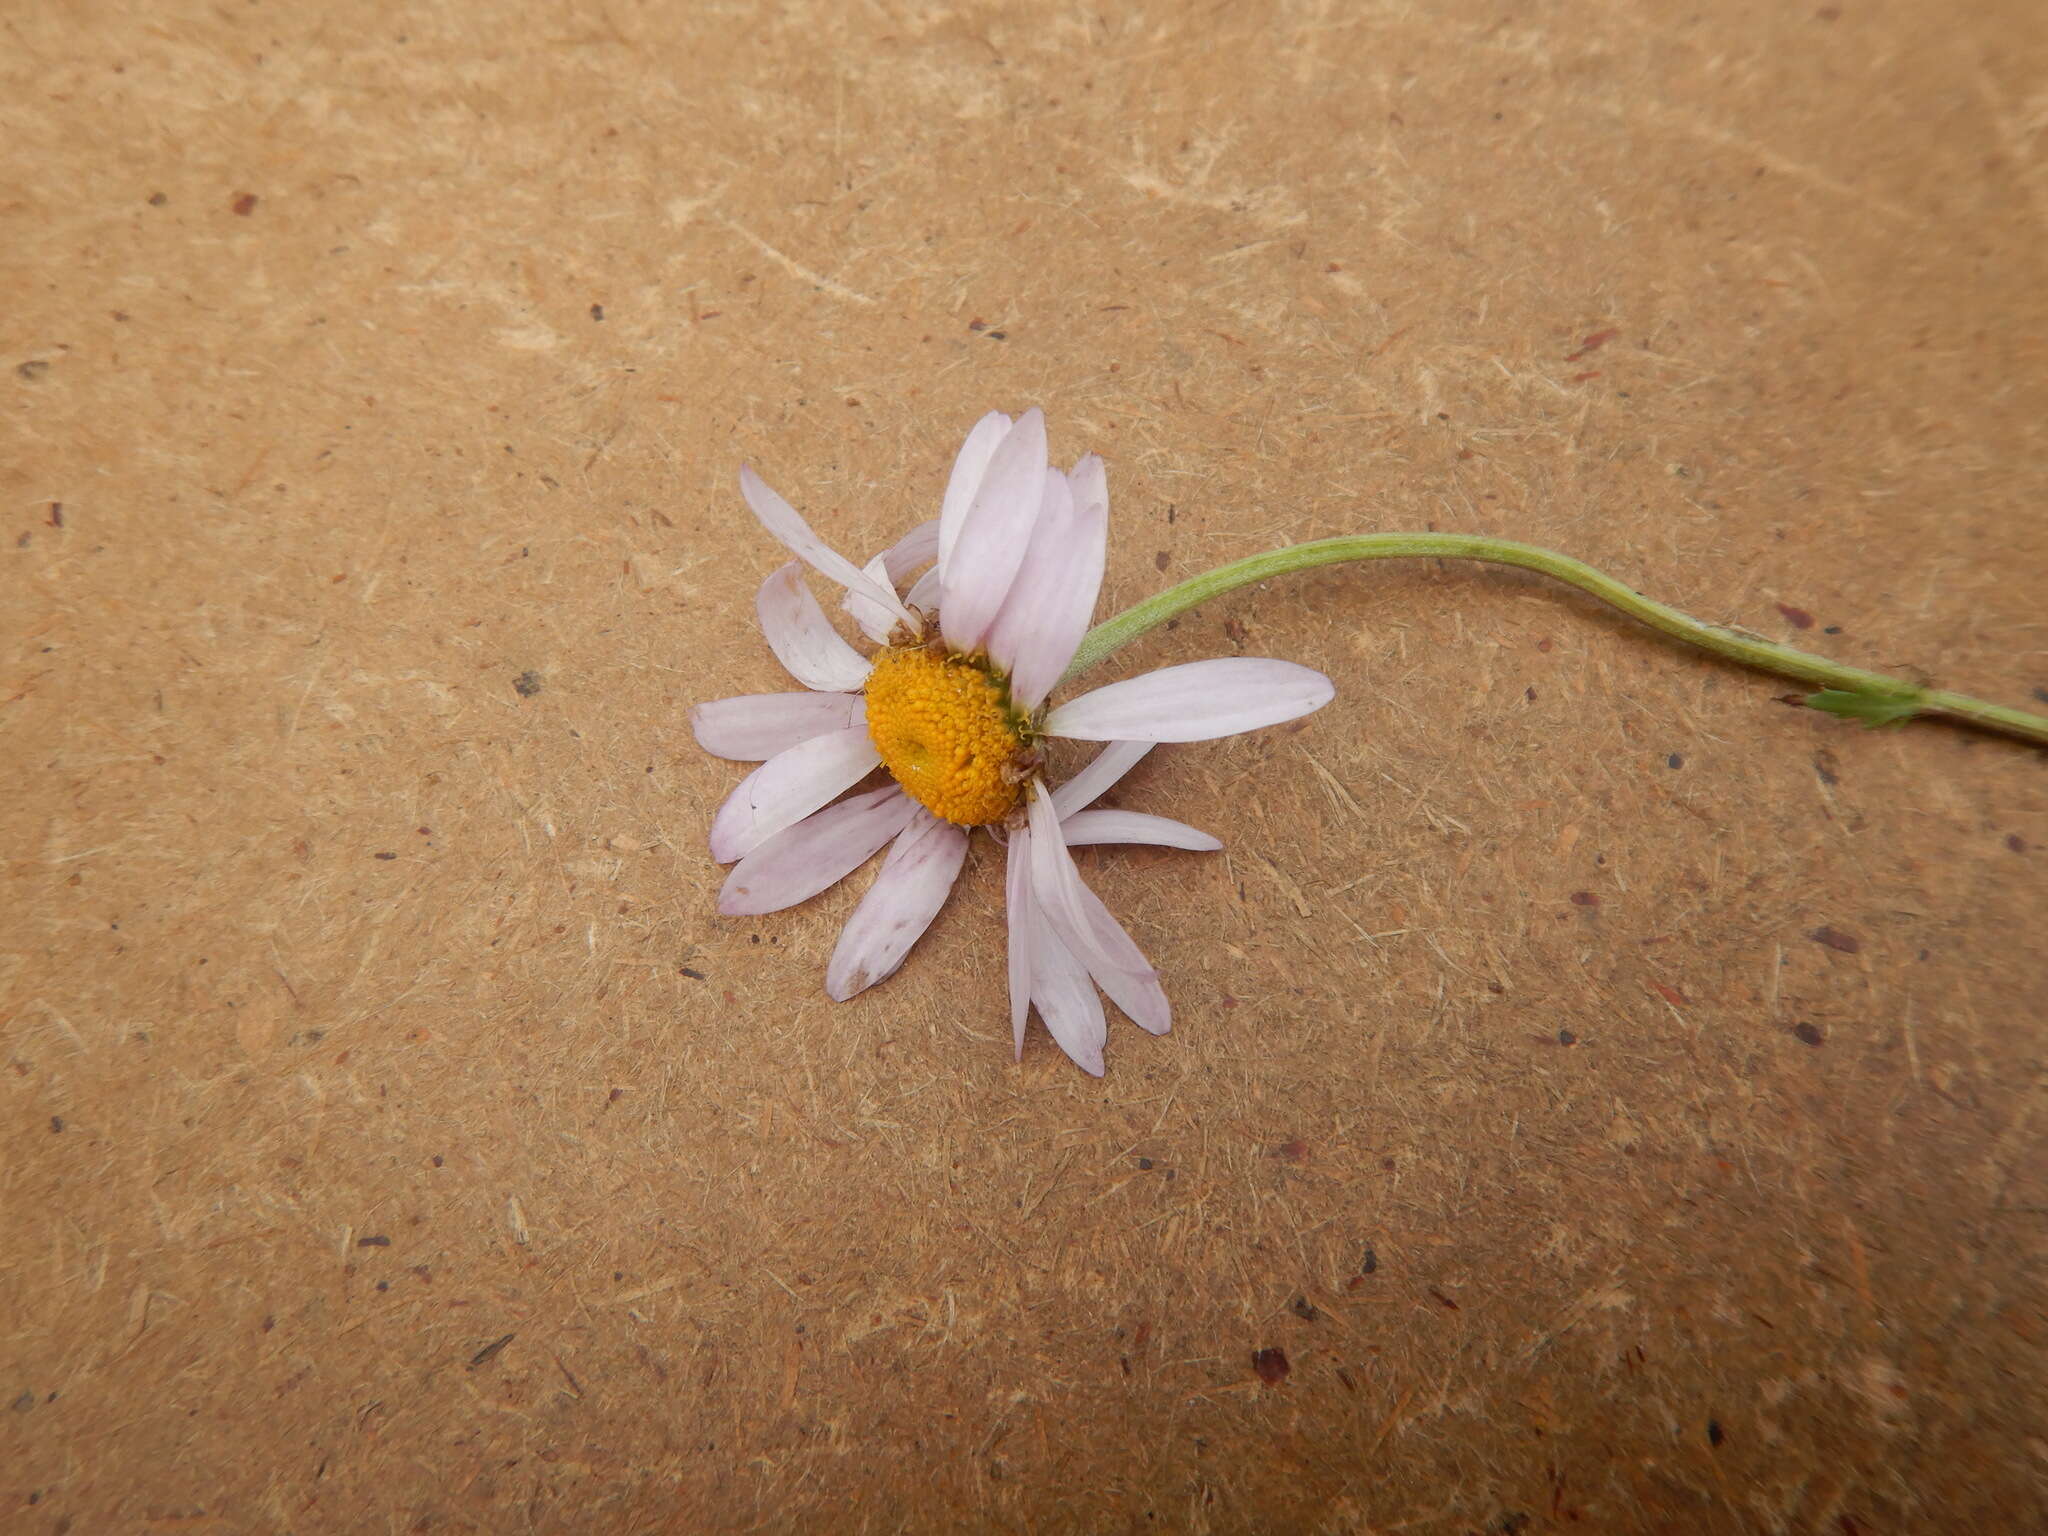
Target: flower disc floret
{"points": [[944, 728]]}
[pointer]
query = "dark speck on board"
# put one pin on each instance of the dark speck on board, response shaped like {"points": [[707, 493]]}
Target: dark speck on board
{"points": [[1835, 939], [1271, 1364], [527, 684], [387, 856], [245, 204], [1714, 1434], [1810, 1033], [1675, 760], [1369, 1263], [597, 311]]}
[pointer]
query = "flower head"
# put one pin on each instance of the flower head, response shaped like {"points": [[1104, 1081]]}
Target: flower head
{"points": [[952, 706]]}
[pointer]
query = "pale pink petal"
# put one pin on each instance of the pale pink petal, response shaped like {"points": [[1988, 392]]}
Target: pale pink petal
{"points": [[996, 532], [1047, 611], [755, 726], [1068, 903], [926, 591], [918, 547], [821, 850], [803, 639], [787, 788], [1194, 702], [875, 621], [968, 469], [899, 906], [1134, 827], [782, 520], [1138, 993], [1050, 534], [1094, 781], [1020, 908], [1066, 999]]}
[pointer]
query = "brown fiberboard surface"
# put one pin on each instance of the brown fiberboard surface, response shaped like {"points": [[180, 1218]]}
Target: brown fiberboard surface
{"points": [[1602, 1097]]}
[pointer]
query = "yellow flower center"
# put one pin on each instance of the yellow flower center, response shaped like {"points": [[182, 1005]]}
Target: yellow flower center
{"points": [[945, 730]]}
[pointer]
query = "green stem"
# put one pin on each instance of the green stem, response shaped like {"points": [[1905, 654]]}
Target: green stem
{"points": [[1850, 691]]}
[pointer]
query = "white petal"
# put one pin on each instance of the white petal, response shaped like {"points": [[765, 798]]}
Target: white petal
{"points": [[1049, 530], [874, 620], [1194, 702], [782, 520], [800, 861], [759, 725], [1066, 900], [1021, 908], [803, 639], [1066, 1000], [1094, 781], [891, 568], [1047, 611], [899, 906], [787, 788], [918, 547], [1134, 827], [924, 594], [968, 469], [993, 537], [1137, 992]]}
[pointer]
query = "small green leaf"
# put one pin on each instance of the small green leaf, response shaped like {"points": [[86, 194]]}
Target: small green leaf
{"points": [[1873, 709]]}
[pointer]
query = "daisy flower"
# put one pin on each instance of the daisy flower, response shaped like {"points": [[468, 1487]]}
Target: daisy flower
{"points": [[953, 706]]}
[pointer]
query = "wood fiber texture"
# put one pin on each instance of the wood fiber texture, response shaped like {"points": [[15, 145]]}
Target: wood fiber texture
{"points": [[1603, 1096]]}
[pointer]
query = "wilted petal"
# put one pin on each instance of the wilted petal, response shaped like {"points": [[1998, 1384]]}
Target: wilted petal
{"points": [[891, 568], [1136, 991], [968, 469], [782, 520], [1066, 999], [1047, 611], [787, 788], [802, 638], [874, 620], [1069, 904], [755, 726], [993, 537], [1194, 702], [1020, 908], [821, 850], [1094, 781], [899, 906], [926, 591], [1134, 827], [918, 547]]}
